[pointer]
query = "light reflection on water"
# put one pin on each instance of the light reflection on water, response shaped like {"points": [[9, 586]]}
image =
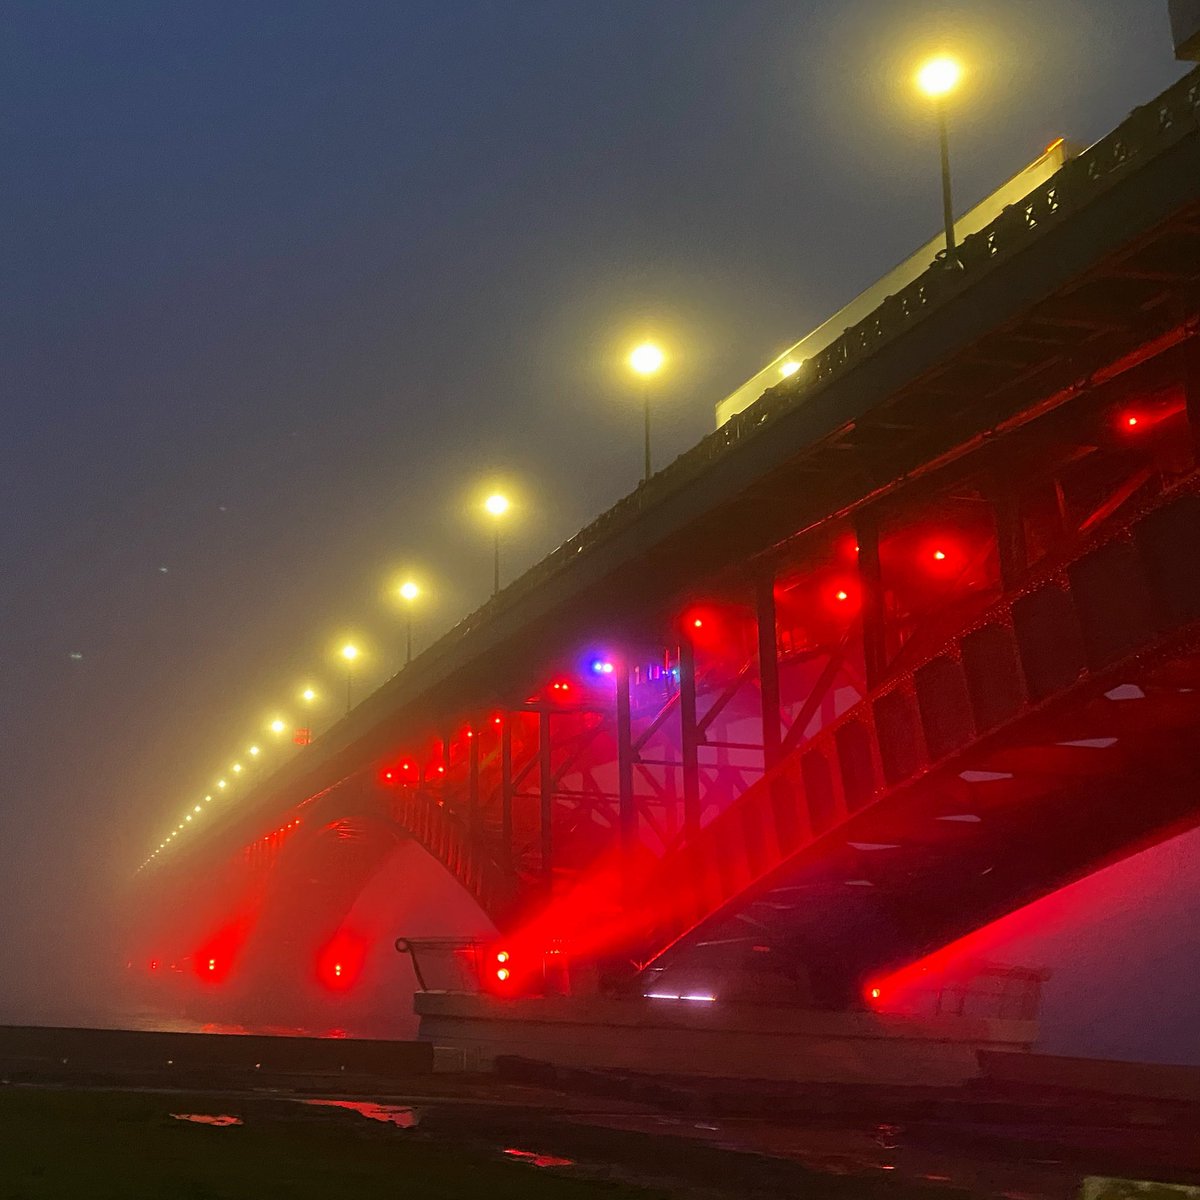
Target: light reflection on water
{"points": [[399, 1115]]}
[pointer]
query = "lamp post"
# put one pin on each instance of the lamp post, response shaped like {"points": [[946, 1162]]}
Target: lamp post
{"points": [[308, 698], [646, 360], [497, 505], [408, 593], [350, 654], [937, 79]]}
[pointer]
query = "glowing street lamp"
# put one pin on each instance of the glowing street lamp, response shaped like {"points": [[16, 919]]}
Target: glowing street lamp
{"points": [[277, 726], [408, 593], [308, 697], [937, 78], [647, 359], [497, 505], [349, 652]]}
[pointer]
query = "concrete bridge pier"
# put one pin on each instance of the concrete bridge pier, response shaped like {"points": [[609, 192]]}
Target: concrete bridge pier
{"points": [[700, 1037]]}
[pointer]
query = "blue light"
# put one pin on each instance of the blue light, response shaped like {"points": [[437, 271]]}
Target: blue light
{"points": [[601, 667]]}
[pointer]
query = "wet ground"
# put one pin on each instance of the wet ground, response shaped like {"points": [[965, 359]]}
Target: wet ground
{"points": [[476, 1137], [157, 1126]]}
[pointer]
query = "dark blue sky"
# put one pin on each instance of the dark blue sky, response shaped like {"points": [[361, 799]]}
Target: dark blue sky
{"points": [[286, 283]]}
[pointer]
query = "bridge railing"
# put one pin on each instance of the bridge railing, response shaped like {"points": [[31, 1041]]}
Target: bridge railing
{"points": [[1147, 132]]}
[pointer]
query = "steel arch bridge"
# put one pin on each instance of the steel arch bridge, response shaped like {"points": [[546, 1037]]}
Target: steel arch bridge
{"points": [[907, 643]]}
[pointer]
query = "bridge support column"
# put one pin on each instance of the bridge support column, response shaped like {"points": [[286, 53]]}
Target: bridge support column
{"points": [[689, 737], [506, 793], [627, 812], [473, 783], [1011, 549], [768, 670], [546, 778], [870, 579]]}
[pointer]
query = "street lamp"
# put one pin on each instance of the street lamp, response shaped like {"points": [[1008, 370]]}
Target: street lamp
{"points": [[308, 698], [408, 593], [349, 653], [497, 505], [937, 79], [646, 360]]}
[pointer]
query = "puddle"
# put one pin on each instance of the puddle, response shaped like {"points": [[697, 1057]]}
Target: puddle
{"points": [[539, 1160], [207, 1118], [399, 1115]]}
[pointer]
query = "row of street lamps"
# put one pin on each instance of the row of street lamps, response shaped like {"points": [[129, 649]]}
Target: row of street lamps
{"points": [[937, 78]]}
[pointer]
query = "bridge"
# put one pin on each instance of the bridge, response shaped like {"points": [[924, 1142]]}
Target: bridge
{"points": [[906, 643]]}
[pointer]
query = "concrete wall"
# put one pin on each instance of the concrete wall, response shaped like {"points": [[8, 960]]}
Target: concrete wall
{"points": [[722, 1041]]}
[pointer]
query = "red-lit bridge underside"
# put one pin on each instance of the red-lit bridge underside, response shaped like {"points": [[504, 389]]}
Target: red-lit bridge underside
{"points": [[1053, 735], [989, 407]]}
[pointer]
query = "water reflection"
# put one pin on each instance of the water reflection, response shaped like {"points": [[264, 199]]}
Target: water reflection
{"points": [[539, 1160], [399, 1115]]}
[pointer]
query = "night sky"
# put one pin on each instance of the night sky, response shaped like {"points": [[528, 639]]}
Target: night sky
{"points": [[287, 285]]}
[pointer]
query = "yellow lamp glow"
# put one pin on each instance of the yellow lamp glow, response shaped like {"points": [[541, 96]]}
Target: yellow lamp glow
{"points": [[349, 651], [939, 76], [222, 784], [278, 725], [254, 752], [647, 358], [308, 695], [236, 768], [409, 591], [789, 368], [496, 504]]}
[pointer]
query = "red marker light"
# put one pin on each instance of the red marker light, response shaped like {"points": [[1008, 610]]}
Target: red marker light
{"points": [[940, 555], [212, 964], [1131, 421], [697, 623], [502, 974], [875, 993], [502, 957], [841, 595]]}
